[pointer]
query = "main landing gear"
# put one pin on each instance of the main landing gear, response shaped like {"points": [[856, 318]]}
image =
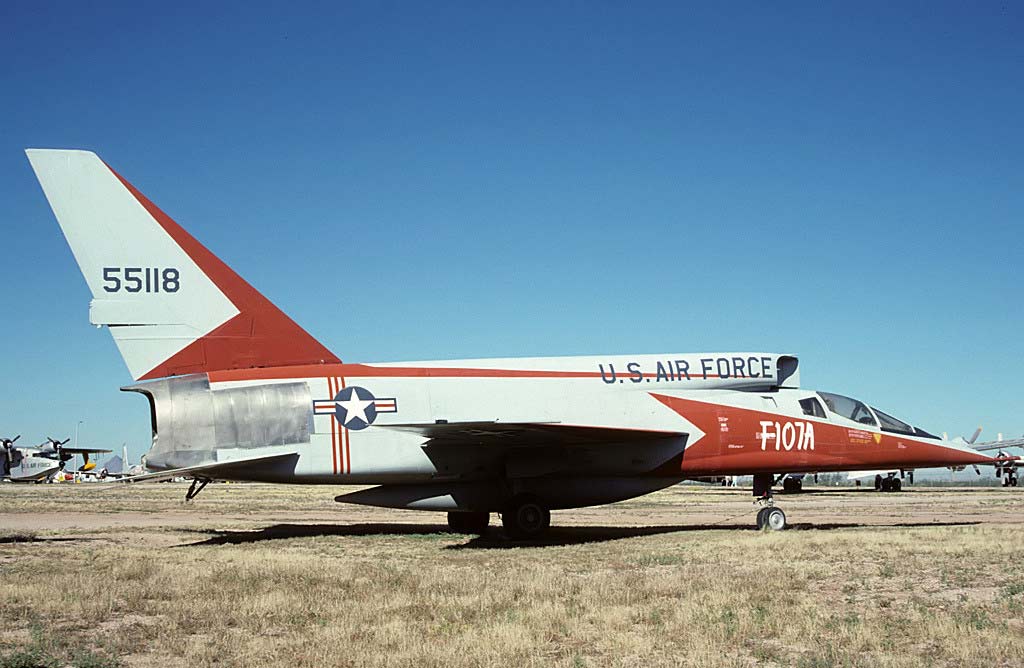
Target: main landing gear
{"points": [[525, 518], [770, 517]]}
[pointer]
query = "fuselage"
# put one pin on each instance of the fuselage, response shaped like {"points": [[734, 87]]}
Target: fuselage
{"points": [[722, 413], [238, 390], [28, 467]]}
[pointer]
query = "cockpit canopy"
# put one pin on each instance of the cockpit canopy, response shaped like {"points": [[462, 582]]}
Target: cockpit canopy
{"points": [[858, 411]]}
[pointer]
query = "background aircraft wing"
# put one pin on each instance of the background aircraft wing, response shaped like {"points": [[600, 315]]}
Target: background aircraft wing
{"points": [[527, 433], [83, 451], [857, 475], [1000, 445]]}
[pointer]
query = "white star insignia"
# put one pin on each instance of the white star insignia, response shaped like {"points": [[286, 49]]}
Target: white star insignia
{"points": [[356, 408]]}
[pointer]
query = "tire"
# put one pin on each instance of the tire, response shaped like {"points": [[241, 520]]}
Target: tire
{"points": [[471, 523], [526, 518], [879, 481], [1013, 481], [760, 517], [774, 519], [886, 485], [897, 485]]}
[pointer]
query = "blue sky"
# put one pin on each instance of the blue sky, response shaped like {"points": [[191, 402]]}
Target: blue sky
{"points": [[844, 181]]}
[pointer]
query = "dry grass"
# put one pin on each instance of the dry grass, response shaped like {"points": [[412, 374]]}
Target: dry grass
{"points": [[253, 586]]}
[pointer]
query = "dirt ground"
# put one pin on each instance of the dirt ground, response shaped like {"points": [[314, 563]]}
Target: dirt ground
{"points": [[271, 575]]}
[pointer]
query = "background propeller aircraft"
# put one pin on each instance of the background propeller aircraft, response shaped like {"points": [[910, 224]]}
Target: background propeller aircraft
{"points": [[237, 390], [41, 462], [1006, 463]]}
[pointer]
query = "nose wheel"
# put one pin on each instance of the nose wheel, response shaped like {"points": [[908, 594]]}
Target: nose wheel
{"points": [[769, 517]]}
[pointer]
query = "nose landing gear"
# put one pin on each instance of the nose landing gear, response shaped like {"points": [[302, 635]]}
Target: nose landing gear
{"points": [[770, 517]]}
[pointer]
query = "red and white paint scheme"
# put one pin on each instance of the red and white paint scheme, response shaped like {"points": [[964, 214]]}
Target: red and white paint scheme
{"points": [[237, 390]]}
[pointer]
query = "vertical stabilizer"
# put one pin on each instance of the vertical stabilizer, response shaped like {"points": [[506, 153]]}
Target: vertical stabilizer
{"points": [[172, 306]]}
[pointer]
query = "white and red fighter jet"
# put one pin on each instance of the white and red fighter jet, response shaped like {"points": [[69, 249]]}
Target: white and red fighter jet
{"points": [[238, 391]]}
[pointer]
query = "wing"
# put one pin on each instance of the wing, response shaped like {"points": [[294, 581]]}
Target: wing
{"points": [[527, 433], [83, 451]]}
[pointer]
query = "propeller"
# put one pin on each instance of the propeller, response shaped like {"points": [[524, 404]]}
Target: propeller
{"points": [[54, 444], [977, 433], [8, 444], [52, 447]]}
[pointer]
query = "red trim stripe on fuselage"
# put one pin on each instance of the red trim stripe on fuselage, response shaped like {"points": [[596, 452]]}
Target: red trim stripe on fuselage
{"points": [[371, 371]]}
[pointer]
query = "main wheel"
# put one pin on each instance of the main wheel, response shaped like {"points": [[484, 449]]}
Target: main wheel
{"points": [[878, 483], [775, 519], [886, 485], [475, 523], [525, 518], [897, 485], [760, 517]]}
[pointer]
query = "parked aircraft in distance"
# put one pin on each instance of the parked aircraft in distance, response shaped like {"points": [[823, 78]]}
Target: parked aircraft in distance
{"points": [[1006, 465], [238, 391], [42, 462], [120, 467]]}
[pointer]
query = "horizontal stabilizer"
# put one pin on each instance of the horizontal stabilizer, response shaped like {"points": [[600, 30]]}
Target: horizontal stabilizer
{"points": [[527, 433], [213, 471]]}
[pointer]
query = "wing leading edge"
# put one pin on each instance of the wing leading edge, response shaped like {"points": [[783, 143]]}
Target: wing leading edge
{"points": [[527, 433]]}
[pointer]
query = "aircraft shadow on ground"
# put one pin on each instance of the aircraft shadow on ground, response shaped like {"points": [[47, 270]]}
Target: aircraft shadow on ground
{"points": [[494, 539], [22, 538]]}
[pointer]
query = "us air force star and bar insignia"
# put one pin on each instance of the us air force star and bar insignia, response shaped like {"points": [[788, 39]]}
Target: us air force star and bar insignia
{"points": [[354, 407]]}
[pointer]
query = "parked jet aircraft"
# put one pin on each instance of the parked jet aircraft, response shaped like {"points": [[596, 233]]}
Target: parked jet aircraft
{"points": [[42, 462], [120, 467], [237, 390]]}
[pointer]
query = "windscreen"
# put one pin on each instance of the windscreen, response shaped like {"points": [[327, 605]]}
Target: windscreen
{"points": [[889, 423], [851, 409]]}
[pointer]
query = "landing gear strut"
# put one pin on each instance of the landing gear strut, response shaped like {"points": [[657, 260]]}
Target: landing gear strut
{"points": [[769, 517], [526, 517]]}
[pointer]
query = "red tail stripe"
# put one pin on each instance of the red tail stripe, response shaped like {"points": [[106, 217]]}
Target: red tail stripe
{"points": [[261, 335]]}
